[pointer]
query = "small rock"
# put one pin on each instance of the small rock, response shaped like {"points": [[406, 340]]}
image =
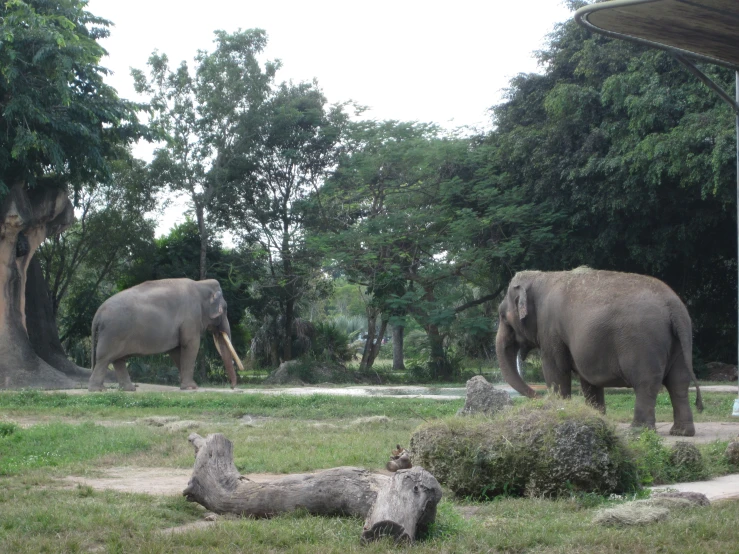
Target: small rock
{"points": [[483, 398], [210, 516], [732, 452]]}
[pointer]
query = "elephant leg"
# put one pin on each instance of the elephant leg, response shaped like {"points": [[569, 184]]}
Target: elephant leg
{"points": [[677, 383], [557, 370], [97, 378], [187, 355], [646, 400], [124, 379], [593, 395], [175, 355]]}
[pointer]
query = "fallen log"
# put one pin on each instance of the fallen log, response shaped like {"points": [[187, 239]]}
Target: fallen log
{"points": [[217, 485], [404, 507]]}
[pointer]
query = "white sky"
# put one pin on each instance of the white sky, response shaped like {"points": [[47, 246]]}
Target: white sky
{"points": [[442, 62]]}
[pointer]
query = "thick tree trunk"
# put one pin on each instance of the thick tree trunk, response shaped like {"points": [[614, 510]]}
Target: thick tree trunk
{"points": [[404, 508], [41, 325], [26, 219], [398, 334], [217, 485], [440, 366]]}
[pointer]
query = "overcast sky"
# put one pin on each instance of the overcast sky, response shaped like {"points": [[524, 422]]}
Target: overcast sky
{"points": [[442, 62]]}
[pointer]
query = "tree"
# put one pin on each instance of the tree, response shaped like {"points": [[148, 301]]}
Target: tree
{"points": [[80, 267], [284, 153], [60, 126], [199, 115], [639, 155]]}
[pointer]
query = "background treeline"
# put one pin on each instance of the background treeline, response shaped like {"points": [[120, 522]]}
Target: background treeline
{"points": [[340, 228]]}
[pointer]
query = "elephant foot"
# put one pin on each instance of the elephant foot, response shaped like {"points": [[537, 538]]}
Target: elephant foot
{"points": [[683, 430]]}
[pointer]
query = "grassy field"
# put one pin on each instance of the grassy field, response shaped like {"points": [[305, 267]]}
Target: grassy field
{"points": [[46, 437]]}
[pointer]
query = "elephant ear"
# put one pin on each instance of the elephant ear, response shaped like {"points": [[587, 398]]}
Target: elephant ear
{"points": [[521, 302], [215, 309]]}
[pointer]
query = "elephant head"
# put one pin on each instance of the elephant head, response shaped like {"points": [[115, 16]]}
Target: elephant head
{"points": [[516, 330], [217, 323]]}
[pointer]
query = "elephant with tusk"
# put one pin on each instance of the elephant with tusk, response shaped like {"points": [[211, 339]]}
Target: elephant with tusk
{"points": [[168, 315], [609, 329]]}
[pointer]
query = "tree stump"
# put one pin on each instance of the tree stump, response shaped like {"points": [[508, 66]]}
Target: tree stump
{"points": [[217, 485], [404, 508]]}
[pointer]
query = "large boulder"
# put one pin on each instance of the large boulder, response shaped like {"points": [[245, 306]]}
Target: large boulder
{"points": [[483, 398], [549, 447]]}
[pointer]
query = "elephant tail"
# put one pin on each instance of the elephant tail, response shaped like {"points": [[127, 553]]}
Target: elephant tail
{"points": [[683, 332]]}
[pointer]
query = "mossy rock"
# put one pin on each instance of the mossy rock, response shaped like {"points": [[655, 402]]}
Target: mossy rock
{"points": [[549, 447]]}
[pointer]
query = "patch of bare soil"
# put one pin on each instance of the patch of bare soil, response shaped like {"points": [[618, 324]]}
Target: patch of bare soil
{"points": [[705, 432], [148, 480]]}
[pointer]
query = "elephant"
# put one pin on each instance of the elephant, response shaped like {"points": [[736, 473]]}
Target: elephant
{"points": [[166, 315], [612, 329]]}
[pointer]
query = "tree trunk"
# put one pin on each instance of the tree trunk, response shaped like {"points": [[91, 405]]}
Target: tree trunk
{"points": [[26, 219], [203, 232], [398, 361], [365, 363], [404, 508], [441, 369], [375, 350], [41, 324], [217, 485], [287, 349]]}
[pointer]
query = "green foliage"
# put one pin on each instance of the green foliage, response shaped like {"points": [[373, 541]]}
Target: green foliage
{"points": [[330, 343], [659, 465], [637, 158], [59, 119]]}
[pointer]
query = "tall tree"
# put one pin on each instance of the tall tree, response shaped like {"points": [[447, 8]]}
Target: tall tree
{"points": [[284, 154], [60, 126], [198, 116], [640, 156]]}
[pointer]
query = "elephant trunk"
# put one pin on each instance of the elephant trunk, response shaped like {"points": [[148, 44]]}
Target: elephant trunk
{"points": [[506, 350]]}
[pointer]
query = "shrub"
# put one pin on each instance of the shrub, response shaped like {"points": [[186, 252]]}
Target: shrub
{"points": [[547, 447]]}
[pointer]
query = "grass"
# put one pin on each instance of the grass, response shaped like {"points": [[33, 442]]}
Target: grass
{"points": [[41, 513]]}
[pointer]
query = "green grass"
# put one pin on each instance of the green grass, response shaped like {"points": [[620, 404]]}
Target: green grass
{"points": [[41, 513], [316, 406], [58, 444]]}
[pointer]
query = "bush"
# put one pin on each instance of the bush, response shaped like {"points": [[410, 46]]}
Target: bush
{"points": [[547, 447], [330, 343]]}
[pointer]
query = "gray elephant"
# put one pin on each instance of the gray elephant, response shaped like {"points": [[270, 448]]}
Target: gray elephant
{"points": [[168, 315], [611, 329]]}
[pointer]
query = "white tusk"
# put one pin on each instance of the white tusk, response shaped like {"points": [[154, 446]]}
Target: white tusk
{"points": [[215, 340], [233, 352]]}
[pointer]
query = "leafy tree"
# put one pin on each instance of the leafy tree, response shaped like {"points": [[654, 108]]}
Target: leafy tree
{"points": [[199, 116], [60, 126], [283, 154], [80, 266], [640, 156]]}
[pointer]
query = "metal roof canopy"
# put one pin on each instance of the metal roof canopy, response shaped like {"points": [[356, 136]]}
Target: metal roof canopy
{"points": [[701, 30]]}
